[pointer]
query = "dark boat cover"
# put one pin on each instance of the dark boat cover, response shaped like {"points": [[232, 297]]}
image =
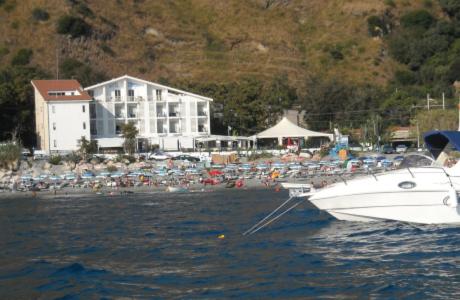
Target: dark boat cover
{"points": [[436, 140]]}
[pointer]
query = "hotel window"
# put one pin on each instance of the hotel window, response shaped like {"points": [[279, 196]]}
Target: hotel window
{"points": [[158, 94], [54, 126], [117, 94], [131, 93], [54, 143], [83, 108], [84, 125], [53, 109]]}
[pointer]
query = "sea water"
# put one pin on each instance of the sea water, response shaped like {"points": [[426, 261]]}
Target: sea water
{"points": [[188, 246]]}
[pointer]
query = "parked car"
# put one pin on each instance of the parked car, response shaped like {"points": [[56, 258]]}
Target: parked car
{"points": [[186, 157], [40, 154], [159, 156], [401, 148], [387, 149]]}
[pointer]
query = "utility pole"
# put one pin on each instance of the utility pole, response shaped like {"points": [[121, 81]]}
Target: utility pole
{"points": [[418, 136], [57, 63], [443, 102]]}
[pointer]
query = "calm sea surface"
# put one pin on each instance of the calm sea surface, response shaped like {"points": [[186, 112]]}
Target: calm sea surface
{"points": [[165, 246]]}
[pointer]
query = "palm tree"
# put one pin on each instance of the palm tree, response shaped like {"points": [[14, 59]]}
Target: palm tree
{"points": [[129, 132], [87, 147]]}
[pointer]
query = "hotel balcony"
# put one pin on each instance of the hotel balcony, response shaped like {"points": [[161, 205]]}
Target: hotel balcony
{"points": [[174, 114], [202, 113]]}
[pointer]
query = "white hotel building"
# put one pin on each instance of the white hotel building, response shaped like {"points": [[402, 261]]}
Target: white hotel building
{"points": [[61, 114], [164, 116], [168, 117]]}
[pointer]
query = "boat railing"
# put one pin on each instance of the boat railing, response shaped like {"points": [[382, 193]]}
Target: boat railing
{"points": [[413, 173]]}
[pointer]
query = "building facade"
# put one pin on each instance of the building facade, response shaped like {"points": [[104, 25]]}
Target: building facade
{"points": [[164, 116], [61, 115]]}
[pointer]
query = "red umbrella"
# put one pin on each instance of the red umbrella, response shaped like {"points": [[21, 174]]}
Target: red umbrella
{"points": [[215, 172]]}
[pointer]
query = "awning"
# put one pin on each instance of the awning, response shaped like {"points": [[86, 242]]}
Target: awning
{"points": [[437, 140], [286, 128], [222, 138]]}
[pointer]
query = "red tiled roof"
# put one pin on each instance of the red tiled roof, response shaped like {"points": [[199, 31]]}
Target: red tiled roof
{"points": [[45, 86]]}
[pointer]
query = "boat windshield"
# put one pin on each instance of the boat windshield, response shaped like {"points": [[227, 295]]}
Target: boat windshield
{"points": [[416, 160]]}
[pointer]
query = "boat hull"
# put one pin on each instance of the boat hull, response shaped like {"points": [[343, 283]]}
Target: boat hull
{"points": [[423, 207], [419, 196]]}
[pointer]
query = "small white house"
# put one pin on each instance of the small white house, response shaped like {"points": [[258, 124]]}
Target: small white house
{"points": [[61, 115]]}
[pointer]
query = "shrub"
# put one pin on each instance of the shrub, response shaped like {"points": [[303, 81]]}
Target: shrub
{"points": [[73, 26], [73, 157], [417, 18], [112, 168], [255, 156], [130, 158], [405, 77], [9, 153], [55, 159], [107, 50], [336, 54], [22, 57], [39, 14], [451, 7], [84, 10], [3, 52], [9, 6], [390, 3], [428, 3]]}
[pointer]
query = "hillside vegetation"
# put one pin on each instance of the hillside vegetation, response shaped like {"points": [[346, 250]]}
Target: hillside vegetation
{"points": [[204, 39], [335, 55]]}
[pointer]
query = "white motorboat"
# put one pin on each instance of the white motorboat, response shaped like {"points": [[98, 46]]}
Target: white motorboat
{"points": [[423, 193]]}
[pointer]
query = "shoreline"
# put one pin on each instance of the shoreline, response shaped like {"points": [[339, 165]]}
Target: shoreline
{"points": [[69, 192]]}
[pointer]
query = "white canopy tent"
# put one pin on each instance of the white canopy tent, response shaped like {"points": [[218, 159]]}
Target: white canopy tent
{"points": [[287, 129]]}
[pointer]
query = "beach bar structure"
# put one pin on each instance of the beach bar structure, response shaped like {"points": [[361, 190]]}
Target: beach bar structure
{"points": [[223, 142], [286, 131]]}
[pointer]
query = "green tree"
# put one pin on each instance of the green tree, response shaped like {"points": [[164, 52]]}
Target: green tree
{"points": [[73, 26], [418, 18], [129, 132], [73, 68], [40, 14], [22, 57], [17, 103], [451, 7], [86, 147]]}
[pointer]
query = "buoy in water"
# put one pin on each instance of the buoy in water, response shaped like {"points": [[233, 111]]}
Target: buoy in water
{"points": [[221, 236]]}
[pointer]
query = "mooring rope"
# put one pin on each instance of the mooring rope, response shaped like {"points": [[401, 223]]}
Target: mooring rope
{"points": [[268, 216], [276, 218]]}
